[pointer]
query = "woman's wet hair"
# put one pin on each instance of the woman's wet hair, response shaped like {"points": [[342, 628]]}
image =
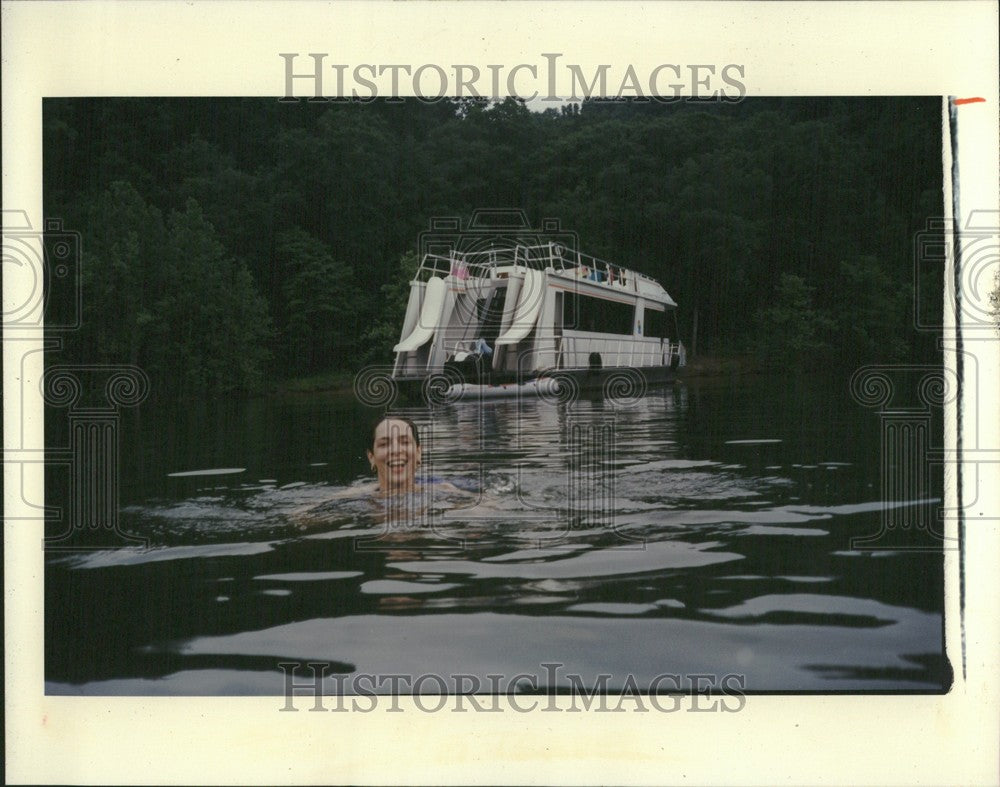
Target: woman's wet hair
{"points": [[404, 419]]}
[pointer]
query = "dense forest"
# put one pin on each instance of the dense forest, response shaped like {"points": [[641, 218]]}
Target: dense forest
{"points": [[229, 243]]}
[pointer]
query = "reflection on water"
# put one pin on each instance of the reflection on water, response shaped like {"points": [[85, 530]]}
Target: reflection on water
{"points": [[696, 530]]}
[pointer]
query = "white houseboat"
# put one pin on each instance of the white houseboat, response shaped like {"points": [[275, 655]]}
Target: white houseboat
{"points": [[503, 321]]}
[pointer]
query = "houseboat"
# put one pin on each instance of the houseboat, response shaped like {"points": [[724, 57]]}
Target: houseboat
{"points": [[531, 318]]}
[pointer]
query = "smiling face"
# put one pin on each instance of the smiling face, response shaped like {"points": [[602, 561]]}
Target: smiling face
{"points": [[395, 455]]}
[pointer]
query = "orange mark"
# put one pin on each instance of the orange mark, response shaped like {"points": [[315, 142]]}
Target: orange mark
{"points": [[975, 100]]}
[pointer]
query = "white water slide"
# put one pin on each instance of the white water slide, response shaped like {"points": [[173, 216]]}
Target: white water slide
{"points": [[430, 315], [529, 304]]}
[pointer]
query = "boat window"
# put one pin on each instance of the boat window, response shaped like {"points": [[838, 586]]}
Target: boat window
{"points": [[597, 315], [659, 324]]}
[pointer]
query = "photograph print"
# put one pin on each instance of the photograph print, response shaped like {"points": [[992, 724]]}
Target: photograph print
{"points": [[635, 401]]}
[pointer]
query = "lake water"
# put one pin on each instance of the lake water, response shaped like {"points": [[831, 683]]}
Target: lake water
{"points": [[706, 528]]}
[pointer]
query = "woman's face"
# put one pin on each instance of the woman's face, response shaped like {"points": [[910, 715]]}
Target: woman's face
{"points": [[395, 455]]}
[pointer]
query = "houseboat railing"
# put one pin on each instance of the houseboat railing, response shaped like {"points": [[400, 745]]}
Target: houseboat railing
{"points": [[548, 256], [639, 351]]}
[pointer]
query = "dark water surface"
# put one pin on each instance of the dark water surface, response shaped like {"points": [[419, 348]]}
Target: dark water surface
{"points": [[705, 528]]}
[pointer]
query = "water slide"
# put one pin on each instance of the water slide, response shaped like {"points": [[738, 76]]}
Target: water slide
{"points": [[430, 314], [529, 304]]}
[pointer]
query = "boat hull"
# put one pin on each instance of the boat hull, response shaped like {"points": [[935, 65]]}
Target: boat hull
{"points": [[557, 386]]}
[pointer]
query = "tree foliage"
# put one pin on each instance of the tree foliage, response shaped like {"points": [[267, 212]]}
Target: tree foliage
{"points": [[169, 298], [316, 299], [793, 329], [787, 223]]}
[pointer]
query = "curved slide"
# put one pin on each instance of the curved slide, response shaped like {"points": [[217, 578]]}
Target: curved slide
{"points": [[430, 314], [529, 304]]}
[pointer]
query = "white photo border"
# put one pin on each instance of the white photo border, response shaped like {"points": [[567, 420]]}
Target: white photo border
{"points": [[160, 48]]}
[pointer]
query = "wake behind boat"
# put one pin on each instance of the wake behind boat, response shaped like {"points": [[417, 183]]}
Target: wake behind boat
{"points": [[532, 319]]}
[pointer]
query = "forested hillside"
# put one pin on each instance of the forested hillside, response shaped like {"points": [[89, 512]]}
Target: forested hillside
{"points": [[228, 242]]}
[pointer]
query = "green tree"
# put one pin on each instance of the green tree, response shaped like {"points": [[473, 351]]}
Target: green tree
{"points": [[122, 277], [872, 317], [383, 334], [214, 326], [792, 330], [318, 323], [168, 298]]}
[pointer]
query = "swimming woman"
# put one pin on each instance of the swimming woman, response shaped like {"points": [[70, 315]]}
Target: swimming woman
{"points": [[395, 454]]}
